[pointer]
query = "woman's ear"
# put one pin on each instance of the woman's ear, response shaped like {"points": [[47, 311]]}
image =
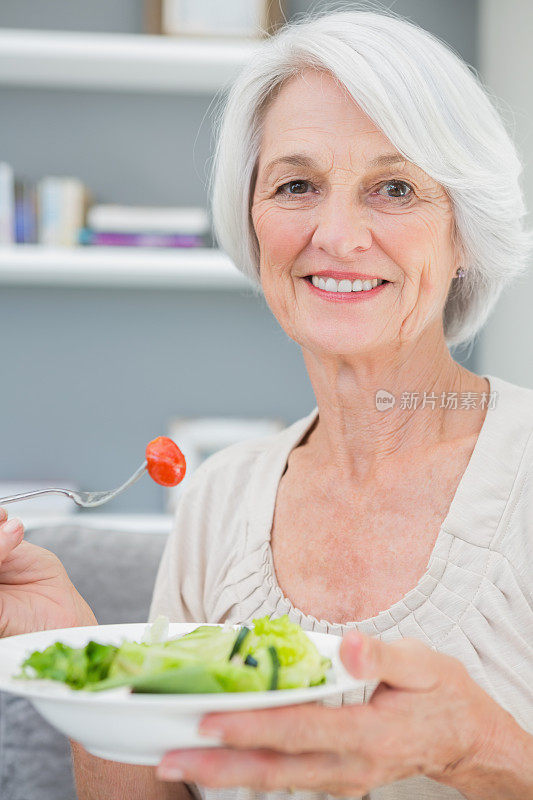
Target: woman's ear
{"points": [[459, 255]]}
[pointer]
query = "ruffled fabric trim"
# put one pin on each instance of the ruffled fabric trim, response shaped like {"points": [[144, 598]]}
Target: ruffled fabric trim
{"points": [[256, 586]]}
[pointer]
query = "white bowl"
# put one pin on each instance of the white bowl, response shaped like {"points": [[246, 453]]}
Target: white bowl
{"points": [[141, 728]]}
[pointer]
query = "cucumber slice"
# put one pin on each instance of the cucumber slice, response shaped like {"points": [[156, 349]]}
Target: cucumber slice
{"points": [[185, 680], [275, 667], [241, 636]]}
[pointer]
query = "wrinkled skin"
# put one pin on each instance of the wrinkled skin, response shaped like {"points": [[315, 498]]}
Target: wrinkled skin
{"points": [[350, 216]]}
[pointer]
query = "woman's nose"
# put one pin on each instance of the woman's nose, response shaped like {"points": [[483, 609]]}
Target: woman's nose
{"points": [[341, 227]]}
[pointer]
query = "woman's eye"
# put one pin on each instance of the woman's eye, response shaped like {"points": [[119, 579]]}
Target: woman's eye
{"points": [[399, 189], [294, 187]]}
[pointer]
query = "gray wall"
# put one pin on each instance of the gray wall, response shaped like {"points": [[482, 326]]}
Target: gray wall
{"points": [[88, 376], [506, 64], [83, 404]]}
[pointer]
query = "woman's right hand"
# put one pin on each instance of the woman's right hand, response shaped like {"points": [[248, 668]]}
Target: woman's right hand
{"points": [[36, 593]]}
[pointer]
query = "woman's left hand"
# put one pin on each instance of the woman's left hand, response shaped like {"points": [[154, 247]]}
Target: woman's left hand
{"points": [[426, 716]]}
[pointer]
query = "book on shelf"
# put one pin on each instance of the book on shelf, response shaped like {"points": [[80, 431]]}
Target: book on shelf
{"points": [[119, 239], [25, 213], [7, 204], [18, 209], [62, 206], [185, 221]]}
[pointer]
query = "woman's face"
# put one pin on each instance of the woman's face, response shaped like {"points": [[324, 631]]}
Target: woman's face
{"points": [[328, 202]]}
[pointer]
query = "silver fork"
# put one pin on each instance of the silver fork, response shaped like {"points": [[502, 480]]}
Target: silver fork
{"points": [[83, 499]]}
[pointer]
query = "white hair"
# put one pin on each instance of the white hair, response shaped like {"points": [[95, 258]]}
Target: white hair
{"points": [[432, 107]]}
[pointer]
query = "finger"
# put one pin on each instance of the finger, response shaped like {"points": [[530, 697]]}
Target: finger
{"points": [[405, 664], [3, 515], [294, 729], [257, 769], [11, 534]]}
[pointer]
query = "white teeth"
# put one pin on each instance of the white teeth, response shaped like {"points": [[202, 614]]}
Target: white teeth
{"points": [[345, 285]]}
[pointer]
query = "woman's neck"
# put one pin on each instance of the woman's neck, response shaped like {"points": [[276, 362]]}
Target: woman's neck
{"points": [[359, 427]]}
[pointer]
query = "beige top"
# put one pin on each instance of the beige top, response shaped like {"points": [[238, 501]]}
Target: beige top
{"points": [[474, 602]]}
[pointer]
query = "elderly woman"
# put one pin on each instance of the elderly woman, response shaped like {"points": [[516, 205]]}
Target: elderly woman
{"points": [[364, 178]]}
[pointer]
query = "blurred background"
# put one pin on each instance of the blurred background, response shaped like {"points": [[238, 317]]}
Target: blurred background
{"points": [[105, 347]]}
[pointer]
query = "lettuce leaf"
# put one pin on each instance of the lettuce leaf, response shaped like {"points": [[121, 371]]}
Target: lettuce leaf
{"points": [[300, 662], [77, 667]]}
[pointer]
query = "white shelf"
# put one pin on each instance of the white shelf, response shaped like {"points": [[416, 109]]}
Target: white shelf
{"points": [[123, 62], [118, 267]]}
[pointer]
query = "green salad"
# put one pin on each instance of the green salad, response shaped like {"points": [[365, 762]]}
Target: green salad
{"points": [[273, 654]]}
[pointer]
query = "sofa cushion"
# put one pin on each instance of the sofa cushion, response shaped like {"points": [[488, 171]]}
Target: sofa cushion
{"points": [[115, 572]]}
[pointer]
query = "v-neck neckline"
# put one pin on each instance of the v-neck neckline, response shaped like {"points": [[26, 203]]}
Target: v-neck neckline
{"points": [[459, 521]]}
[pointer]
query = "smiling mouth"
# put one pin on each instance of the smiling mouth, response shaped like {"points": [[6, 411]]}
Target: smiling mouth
{"points": [[345, 286]]}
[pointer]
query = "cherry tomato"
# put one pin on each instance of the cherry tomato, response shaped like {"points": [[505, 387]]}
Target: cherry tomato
{"points": [[166, 462]]}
